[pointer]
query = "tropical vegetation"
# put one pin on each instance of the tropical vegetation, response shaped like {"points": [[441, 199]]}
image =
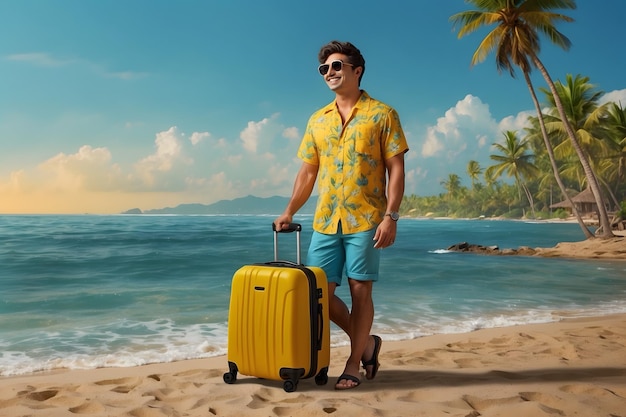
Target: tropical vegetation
{"points": [[520, 182], [575, 132]]}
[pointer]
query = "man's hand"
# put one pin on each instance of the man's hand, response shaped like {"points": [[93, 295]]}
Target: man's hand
{"points": [[283, 221], [385, 234]]}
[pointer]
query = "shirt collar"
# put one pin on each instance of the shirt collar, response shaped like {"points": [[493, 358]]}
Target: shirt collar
{"points": [[362, 102]]}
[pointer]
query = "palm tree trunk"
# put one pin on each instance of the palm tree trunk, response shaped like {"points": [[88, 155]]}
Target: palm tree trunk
{"points": [[605, 225], [607, 186], [531, 201], [555, 168]]}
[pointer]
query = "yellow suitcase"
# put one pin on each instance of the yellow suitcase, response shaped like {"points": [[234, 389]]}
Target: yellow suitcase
{"points": [[278, 321]]}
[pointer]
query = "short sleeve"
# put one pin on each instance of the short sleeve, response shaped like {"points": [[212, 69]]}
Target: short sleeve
{"points": [[395, 141]]}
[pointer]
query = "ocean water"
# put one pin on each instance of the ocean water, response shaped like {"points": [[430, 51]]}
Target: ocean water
{"points": [[95, 291]]}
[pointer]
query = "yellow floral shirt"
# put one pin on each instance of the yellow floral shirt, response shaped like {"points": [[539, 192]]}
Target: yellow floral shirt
{"points": [[351, 177]]}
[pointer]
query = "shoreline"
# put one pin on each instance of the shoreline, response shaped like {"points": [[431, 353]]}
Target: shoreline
{"points": [[570, 367], [598, 248], [609, 249], [613, 249]]}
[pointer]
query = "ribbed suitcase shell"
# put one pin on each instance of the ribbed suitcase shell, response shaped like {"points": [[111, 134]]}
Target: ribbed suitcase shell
{"points": [[278, 323]]}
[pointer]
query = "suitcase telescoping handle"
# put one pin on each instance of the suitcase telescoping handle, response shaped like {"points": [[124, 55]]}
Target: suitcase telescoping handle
{"points": [[293, 227]]}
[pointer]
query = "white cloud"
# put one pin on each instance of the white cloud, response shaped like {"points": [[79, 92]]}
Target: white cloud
{"points": [[234, 159], [130, 125], [516, 123], [291, 133], [220, 168], [40, 59], [18, 181], [218, 184], [468, 119], [262, 135], [88, 169], [93, 170], [168, 149], [197, 137], [432, 144], [165, 169], [221, 143], [615, 96], [261, 161], [465, 132], [250, 135]]}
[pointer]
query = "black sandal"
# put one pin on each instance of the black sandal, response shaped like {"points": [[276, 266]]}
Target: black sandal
{"points": [[346, 377], [374, 361]]}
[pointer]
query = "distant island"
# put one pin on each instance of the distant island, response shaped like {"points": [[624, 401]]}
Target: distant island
{"points": [[244, 205]]}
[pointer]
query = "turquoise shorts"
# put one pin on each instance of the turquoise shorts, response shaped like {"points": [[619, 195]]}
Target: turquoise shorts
{"points": [[353, 254]]}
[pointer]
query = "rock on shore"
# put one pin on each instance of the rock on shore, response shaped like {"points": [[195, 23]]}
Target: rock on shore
{"points": [[613, 248]]}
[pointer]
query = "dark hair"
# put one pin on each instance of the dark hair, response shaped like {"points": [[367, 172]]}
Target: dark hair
{"points": [[346, 48]]}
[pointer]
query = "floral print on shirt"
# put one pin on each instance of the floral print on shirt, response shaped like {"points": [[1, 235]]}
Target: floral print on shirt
{"points": [[351, 178]]}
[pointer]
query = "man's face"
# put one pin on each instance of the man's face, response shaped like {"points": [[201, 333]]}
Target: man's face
{"points": [[339, 74]]}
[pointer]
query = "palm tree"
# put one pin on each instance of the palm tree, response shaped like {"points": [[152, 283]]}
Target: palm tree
{"points": [[490, 179], [551, 154], [580, 100], [516, 162], [452, 185], [516, 39], [474, 170], [616, 137], [587, 118], [553, 164]]}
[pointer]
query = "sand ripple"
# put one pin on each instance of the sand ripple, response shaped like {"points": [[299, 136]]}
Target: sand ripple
{"points": [[571, 368]]}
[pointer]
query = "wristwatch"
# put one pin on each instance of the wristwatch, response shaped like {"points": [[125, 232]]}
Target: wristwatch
{"points": [[394, 215]]}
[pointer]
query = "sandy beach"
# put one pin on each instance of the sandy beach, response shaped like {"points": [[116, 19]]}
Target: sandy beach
{"points": [[613, 248], [570, 367], [574, 367], [608, 249]]}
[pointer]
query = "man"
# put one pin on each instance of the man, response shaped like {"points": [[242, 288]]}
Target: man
{"points": [[350, 147]]}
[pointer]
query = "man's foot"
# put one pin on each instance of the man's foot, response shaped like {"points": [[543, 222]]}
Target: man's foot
{"points": [[371, 366], [346, 381]]}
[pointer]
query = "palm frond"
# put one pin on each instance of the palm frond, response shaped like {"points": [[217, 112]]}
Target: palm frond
{"points": [[472, 20], [487, 45], [534, 5]]}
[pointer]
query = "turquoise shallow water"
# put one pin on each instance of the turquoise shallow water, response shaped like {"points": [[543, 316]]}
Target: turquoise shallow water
{"points": [[93, 291]]}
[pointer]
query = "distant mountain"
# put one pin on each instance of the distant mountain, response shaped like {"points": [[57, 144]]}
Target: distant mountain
{"points": [[245, 205]]}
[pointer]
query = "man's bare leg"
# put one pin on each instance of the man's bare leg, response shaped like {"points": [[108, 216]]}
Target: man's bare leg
{"points": [[357, 324]]}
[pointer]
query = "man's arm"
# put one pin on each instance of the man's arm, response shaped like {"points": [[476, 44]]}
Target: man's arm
{"points": [[386, 231], [395, 188], [302, 189]]}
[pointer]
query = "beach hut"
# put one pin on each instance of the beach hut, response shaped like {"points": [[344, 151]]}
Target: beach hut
{"points": [[585, 203]]}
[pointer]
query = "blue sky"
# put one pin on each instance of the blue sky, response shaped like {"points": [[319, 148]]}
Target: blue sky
{"points": [[111, 105]]}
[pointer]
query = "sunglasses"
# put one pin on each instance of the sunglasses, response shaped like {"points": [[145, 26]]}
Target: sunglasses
{"points": [[337, 66]]}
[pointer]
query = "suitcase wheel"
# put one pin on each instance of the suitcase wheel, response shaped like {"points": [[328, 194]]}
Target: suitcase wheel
{"points": [[230, 377], [322, 377], [290, 386]]}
